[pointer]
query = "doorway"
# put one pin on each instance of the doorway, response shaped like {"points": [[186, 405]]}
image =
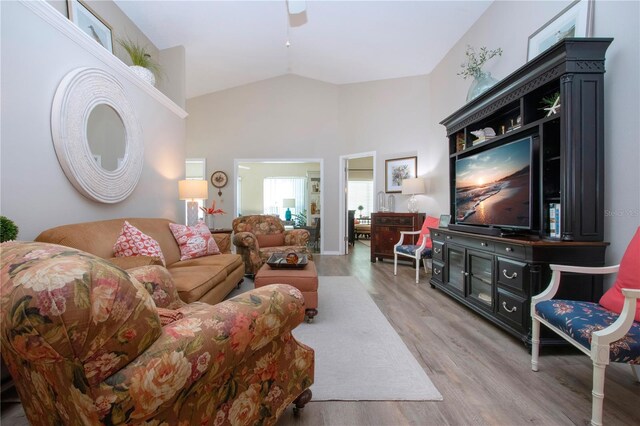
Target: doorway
{"points": [[357, 179], [289, 188]]}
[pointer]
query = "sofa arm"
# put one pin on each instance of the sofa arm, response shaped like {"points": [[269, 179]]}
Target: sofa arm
{"points": [[159, 283], [245, 240], [296, 237], [223, 241], [207, 352]]}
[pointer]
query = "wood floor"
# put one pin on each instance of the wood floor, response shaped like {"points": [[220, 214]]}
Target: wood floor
{"points": [[483, 374]]}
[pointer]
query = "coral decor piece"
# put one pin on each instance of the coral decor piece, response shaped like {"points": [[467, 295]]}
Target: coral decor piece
{"points": [[212, 209]]}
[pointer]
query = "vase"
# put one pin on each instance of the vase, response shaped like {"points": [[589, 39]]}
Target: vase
{"points": [[480, 84], [208, 220], [144, 74]]}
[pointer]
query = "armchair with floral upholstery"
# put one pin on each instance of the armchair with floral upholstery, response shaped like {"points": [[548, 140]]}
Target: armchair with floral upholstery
{"points": [[85, 343], [257, 237]]}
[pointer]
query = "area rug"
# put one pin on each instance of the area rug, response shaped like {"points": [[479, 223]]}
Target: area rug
{"points": [[358, 354]]}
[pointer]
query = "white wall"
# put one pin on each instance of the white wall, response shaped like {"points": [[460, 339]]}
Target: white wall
{"points": [[290, 116], [622, 84], [287, 117], [34, 190]]}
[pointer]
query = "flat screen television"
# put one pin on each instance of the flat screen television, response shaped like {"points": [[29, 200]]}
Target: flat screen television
{"points": [[493, 187]]}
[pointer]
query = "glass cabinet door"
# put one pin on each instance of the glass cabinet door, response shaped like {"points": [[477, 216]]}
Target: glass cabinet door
{"points": [[455, 268], [480, 278]]}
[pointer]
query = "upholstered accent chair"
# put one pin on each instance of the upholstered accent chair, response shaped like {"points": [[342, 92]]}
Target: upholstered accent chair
{"points": [[418, 252], [89, 343], [608, 331], [257, 237]]}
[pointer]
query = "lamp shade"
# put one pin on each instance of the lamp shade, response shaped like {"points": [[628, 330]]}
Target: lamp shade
{"points": [[192, 189], [413, 186], [289, 202]]}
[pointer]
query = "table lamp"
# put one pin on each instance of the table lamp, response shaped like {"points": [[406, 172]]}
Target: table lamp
{"points": [[413, 186], [288, 203], [193, 190]]}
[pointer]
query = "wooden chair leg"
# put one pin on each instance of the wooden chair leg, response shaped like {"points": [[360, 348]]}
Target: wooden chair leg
{"points": [[301, 401], [535, 343], [597, 394]]}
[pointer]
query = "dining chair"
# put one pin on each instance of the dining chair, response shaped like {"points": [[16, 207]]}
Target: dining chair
{"points": [[420, 251]]}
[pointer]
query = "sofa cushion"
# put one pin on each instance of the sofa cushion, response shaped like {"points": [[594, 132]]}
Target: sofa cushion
{"points": [[195, 281], [270, 240], [133, 242], [229, 261], [194, 241], [628, 277]]}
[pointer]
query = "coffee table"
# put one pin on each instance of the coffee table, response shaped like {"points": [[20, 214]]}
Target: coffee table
{"points": [[305, 280]]}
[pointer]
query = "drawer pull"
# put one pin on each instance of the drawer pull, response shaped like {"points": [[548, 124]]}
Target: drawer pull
{"points": [[508, 249], [448, 237], [436, 271], [466, 274], [483, 244], [509, 277], [504, 305], [437, 250], [437, 234]]}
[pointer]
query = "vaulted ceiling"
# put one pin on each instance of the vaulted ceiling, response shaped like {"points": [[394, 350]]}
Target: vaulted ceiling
{"points": [[230, 43]]}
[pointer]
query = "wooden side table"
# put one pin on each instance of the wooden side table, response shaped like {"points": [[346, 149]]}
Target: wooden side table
{"points": [[221, 231]]}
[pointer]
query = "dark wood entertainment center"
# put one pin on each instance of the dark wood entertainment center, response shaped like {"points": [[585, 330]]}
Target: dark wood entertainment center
{"points": [[491, 270]]}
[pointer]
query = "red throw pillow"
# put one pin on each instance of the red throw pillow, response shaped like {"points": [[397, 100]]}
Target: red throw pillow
{"points": [[429, 222], [194, 241], [134, 242], [270, 240], [628, 277]]}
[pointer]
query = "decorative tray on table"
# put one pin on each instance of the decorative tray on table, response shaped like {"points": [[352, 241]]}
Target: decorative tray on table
{"points": [[288, 260]]}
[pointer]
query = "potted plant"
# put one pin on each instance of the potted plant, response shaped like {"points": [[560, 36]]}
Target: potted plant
{"points": [[300, 219], [8, 229], [144, 66], [360, 208], [473, 68]]}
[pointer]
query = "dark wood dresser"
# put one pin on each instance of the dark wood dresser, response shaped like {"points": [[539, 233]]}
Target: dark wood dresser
{"points": [[385, 232]]}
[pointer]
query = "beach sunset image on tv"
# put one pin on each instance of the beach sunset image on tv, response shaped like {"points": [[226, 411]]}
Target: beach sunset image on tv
{"points": [[493, 187]]}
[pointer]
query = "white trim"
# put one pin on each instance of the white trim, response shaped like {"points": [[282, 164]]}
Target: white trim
{"points": [[58, 21], [342, 208], [236, 162]]}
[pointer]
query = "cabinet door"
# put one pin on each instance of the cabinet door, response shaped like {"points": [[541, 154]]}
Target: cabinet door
{"points": [[455, 267], [480, 269], [385, 238]]}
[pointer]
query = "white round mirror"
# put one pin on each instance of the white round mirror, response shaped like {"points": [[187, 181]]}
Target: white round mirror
{"points": [[105, 134], [96, 135]]}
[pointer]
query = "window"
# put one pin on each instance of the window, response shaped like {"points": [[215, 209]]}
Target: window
{"points": [[360, 193], [278, 188], [195, 168]]}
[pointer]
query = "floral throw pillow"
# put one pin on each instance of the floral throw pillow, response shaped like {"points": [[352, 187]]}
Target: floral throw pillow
{"points": [[194, 241], [134, 242]]}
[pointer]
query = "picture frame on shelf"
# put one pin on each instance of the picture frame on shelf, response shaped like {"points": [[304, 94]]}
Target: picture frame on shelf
{"points": [[398, 169], [576, 20], [445, 219], [90, 23]]}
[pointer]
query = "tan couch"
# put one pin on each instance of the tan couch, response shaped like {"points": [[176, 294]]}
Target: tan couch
{"points": [[207, 279]]}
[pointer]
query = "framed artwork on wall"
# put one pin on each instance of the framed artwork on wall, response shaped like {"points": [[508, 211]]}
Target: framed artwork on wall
{"points": [[90, 23], [576, 20], [398, 169]]}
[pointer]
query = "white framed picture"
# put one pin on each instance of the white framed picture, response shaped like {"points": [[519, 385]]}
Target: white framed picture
{"points": [[398, 169], [89, 22], [576, 20]]}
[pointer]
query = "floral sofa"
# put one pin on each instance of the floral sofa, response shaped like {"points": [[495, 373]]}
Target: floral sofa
{"points": [[257, 237], [84, 342]]}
